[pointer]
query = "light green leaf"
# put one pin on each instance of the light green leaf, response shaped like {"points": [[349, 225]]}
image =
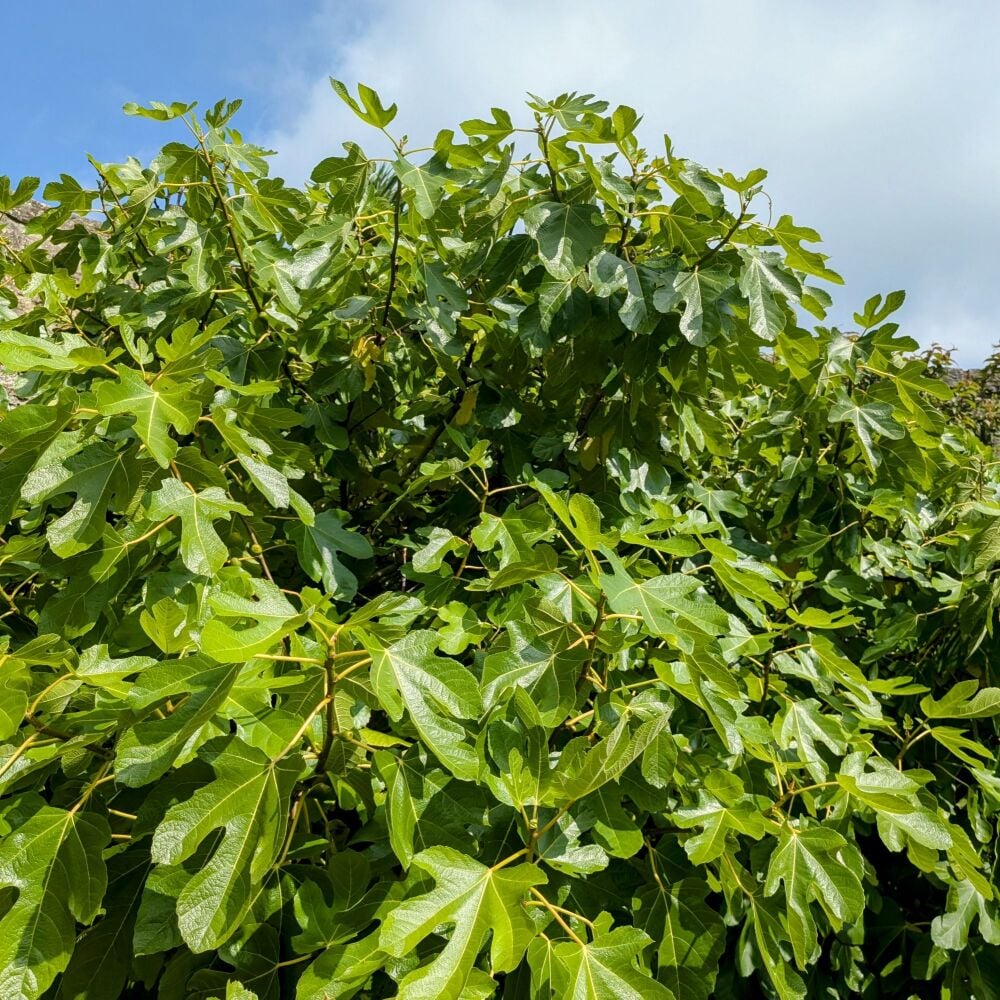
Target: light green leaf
{"points": [[666, 605], [703, 292], [102, 958], [53, 859], [802, 727], [258, 623], [957, 741], [766, 283], [436, 692], [610, 967], [425, 182], [582, 771], [103, 481], [717, 821], [966, 700], [14, 689], [610, 274], [809, 863], [371, 109], [157, 406], [202, 550], [341, 970], [430, 557], [922, 825], [547, 670], [951, 929], [479, 902], [248, 801], [147, 749], [690, 935], [424, 805]]}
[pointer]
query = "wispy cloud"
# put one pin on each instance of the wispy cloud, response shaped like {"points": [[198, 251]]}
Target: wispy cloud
{"points": [[880, 124]]}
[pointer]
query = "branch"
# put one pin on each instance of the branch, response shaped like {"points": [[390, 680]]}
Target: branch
{"points": [[230, 225], [544, 136], [393, 260], [331, 714], [121, 208], [705, 258]]}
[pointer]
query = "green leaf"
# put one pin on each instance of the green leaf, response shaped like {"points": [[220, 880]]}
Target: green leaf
{"points": [[480, 902], [69, 193], [430, 557], [809, 863], [22, 192], [147, 750], [891, 793], [289, 273], [553, 294], [435, 691], [921, 826], [157, 407], [103, 482], [93, 579], [425, 183], [666, 605], [609, 274], [956, 740], [548, 670], [319, 546], [717, 820], [157, 110], [951, 929], [703, 293], [610, 967], [875, 311], [370, 110], [323, 907], [868, 419], [582, 772], [202, 550], [791, 237], [341, 970], [53, 859], [248, 801], [765, 283], [966, 700], [258, 622], [567, 236], [102, 958], [802, 727], [690, 933], [424, 805], [13, 697]]}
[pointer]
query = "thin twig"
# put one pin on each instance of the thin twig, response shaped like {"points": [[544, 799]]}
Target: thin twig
{"points": [[230, 225], [705, 258], [393, 259]]}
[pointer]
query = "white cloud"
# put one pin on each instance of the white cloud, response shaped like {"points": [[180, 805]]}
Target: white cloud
{"points": [[878, 122]]}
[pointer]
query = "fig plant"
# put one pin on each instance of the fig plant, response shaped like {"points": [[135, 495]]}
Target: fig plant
{"points": [[475, 573]]}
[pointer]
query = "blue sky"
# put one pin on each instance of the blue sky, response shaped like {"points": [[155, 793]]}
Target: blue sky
{"points": [[879, 122], [74, 64]]}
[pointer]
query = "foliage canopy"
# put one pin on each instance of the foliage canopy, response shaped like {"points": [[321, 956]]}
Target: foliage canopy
{"points": [[466, 576]]}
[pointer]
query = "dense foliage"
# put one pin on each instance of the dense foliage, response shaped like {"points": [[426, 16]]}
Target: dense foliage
{"points": [[467, 576], [975, 398]]}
